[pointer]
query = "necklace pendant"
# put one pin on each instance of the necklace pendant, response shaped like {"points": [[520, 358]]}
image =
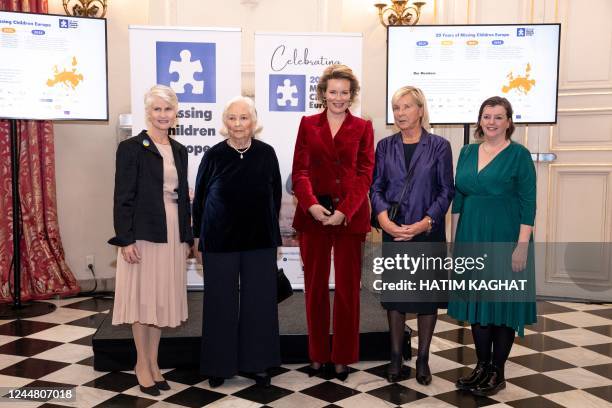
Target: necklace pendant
{"points": [[241, 156]]}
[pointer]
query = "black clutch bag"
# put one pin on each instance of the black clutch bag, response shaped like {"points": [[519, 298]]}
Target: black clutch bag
{"points": [[394, 207], [283, 286], [392, 211], [327, 202]]}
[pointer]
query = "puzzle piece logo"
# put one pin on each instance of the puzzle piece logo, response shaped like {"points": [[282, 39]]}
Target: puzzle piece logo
{"points": [[287, 93], [189, 69], [186, 70]]}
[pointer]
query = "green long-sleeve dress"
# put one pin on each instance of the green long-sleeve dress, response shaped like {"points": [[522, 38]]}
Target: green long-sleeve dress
{"points": [[492, 204]]}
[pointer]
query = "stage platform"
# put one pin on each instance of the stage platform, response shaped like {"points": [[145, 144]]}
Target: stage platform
{"points": [[114, 349]]}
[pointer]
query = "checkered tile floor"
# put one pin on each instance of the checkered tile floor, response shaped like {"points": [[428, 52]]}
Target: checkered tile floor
{"points": [[564, 360]]}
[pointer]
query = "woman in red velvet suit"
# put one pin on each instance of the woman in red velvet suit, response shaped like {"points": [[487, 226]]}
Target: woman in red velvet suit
{"points": [[332, 172]]}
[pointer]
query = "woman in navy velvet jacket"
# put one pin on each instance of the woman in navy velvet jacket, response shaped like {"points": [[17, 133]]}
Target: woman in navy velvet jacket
{"points": [[420, 217]]}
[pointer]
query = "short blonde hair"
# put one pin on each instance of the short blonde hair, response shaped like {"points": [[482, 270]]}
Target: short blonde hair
{"points": [[163, 92], [419, 98], [252, 113], [337, 71]]}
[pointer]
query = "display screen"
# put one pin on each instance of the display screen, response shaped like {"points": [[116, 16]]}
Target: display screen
{"points": [[53, 67], [459, 66]]}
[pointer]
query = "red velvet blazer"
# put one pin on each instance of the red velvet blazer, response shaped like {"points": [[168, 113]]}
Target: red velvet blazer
{"points": [[341, 166]]}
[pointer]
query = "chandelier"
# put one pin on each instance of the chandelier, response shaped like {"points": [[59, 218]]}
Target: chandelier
{"points": [[85, 8], [399, 12]]}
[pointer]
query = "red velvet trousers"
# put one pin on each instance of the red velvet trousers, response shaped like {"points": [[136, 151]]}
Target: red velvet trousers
{"points": [[315, 249]]}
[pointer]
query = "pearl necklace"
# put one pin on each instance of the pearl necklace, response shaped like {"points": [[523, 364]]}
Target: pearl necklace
{"points": [[240, 151]]}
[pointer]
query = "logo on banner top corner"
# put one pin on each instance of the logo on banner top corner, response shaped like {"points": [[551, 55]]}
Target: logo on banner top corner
{"points": [[287, 93], [66, 23], [189, 69]]}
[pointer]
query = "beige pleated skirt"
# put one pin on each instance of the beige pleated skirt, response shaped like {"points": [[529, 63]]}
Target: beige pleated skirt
{"points": [[154, 291]]}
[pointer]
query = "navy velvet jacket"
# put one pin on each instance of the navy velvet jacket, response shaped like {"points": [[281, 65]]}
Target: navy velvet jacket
{"points": [[237, 201], [431, 187]]}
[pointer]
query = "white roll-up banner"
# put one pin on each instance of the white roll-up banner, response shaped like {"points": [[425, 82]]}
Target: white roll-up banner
{"points": [[203, 67]]}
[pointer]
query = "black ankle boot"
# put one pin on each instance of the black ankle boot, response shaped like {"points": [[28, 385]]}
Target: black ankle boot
{"points": [[423, 374], [492, 383], [470, 381]]}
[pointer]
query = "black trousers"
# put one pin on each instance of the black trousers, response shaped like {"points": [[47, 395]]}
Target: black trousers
{"points": [[240, 317]]}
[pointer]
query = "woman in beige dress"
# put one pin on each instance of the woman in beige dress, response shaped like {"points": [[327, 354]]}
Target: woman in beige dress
{"points": [[153, 232]]}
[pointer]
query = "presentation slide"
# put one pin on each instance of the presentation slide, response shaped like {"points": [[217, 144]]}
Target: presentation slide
{"points": [[53, 67], [460, 66]]}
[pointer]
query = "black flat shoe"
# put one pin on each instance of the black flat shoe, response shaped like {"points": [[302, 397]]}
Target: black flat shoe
{"points": [[469, 382], [152, 390], [492, 384], [263, 380], [162, 385], [423, 374], [215, 382]]}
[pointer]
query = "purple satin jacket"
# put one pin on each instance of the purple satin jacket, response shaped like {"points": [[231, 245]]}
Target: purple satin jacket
{"points": [[431, 188]]}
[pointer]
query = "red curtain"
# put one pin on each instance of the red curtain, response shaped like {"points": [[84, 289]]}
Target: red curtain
{"points": [[44, 272]]}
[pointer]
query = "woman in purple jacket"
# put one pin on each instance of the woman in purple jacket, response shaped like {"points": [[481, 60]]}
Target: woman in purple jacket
{"points": [[426, 160]]}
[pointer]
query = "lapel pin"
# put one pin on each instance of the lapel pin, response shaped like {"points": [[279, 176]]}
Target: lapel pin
{"points": [[146, 143]]}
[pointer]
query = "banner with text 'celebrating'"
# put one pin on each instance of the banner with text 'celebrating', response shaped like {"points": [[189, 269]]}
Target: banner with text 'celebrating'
{"points": [[287, 70]]}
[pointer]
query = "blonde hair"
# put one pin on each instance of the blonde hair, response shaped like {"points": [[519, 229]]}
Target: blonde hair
{"points": [[419, 98], [252, 113], [337, 71], [163, 92]]}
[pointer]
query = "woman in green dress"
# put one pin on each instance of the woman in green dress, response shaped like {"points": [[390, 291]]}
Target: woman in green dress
{"points": [[495, 202]]}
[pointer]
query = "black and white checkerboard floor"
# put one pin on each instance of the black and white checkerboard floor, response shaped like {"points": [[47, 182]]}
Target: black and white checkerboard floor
{"points": [[564, 360]]}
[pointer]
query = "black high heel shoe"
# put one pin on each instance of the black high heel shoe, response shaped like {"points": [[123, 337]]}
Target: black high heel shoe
{"points": [[313, 372], [215, 382], [162, 385], [342, 375], [263, 380], [423, 374], [152, 390], [393, 375]]}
